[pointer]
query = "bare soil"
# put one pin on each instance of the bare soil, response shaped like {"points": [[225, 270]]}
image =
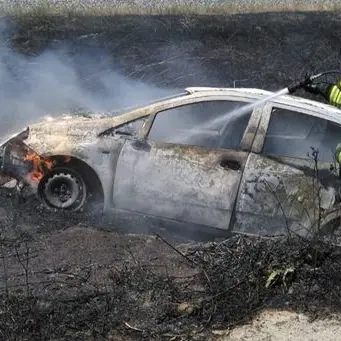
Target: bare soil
{"points": [[63, 276], [83, 277]]}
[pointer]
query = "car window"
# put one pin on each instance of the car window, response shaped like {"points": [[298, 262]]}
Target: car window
{"points": [[293, 134], [127, 129], [203, 124]]}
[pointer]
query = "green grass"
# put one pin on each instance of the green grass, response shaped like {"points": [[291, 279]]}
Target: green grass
{"points": [[76, 8]]}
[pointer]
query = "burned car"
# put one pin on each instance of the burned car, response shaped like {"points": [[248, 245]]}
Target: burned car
{"points": [[185, 159]]}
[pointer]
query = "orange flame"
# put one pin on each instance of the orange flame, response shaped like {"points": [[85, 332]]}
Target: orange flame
{"points": [[39, 164]]}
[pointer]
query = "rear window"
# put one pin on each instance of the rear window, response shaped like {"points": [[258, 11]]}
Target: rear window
{"points": [[293, 134]]}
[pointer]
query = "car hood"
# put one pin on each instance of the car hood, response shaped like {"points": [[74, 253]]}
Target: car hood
{"points": [[64, 132], [73, 125]]}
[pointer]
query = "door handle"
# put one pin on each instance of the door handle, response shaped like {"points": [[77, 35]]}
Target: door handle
{"points": [[230, 164]]}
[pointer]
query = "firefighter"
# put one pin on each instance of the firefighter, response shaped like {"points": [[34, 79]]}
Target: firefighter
{"points": [[331, 92]]}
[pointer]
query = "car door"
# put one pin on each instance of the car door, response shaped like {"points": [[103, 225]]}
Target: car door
{"points": [[186, 169], [288, 186]]}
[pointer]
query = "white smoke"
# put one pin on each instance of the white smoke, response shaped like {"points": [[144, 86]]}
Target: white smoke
{"points": [[54, 82]]}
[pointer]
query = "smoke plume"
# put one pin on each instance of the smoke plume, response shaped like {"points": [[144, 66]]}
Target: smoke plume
{"points": [[59, 81]]}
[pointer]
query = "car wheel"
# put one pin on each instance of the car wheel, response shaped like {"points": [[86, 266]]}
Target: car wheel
{"points": [[63, 188]]}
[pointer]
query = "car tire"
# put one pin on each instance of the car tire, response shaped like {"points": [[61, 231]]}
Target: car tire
{"points": [[63, 189]]}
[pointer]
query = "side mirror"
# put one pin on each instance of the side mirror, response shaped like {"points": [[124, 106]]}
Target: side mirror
{"points": [[141, 144]]}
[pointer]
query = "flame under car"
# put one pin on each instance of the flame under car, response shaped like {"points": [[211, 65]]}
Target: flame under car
{"points": [[247, 174]]}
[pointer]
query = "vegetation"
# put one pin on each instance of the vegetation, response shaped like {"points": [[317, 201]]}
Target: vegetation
{"points": [[178, 7]]}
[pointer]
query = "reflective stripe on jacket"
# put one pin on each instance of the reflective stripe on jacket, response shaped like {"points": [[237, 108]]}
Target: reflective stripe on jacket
{"points": [[335, 96]]}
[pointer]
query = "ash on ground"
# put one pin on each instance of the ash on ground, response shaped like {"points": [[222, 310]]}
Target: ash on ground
{"points": [[73, 280]]}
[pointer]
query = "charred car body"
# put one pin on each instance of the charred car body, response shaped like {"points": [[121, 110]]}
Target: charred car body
{"points": [[249, 173]]}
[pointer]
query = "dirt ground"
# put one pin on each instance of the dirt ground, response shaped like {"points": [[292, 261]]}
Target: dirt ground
{"points": [[81, 277], [286, 325], [64, 276]]}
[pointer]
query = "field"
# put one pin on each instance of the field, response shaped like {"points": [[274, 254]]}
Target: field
{"points": [[82, 277]]}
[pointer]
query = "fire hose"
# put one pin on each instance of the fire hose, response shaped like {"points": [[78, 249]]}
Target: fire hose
{"points": [[308, 80]]}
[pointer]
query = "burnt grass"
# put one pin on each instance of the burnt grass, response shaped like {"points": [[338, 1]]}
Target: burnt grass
{"points": [[72, 280], [77, 276], [267, 50]]}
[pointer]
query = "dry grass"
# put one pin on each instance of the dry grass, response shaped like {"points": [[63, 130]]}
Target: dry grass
{"points": [[44, 8]]}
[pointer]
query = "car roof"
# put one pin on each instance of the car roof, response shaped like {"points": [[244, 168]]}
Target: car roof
{"points": [[310, 107], [315, 108]]}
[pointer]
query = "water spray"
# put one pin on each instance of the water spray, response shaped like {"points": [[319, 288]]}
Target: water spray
{"points": [[302, 84]]}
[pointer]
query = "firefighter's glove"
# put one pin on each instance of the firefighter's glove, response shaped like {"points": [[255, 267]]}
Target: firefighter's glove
{"points": [[312, 88]]}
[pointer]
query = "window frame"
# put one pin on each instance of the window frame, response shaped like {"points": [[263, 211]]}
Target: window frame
{"points": [[259, 141]]}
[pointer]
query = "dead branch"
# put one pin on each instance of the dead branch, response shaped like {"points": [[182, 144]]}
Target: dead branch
{"points": [[4, 265], [133, 328], [24, 263], [191, 261]]}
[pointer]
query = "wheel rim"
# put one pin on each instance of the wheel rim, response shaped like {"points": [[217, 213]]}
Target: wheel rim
{"points": [[63, 189]]}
